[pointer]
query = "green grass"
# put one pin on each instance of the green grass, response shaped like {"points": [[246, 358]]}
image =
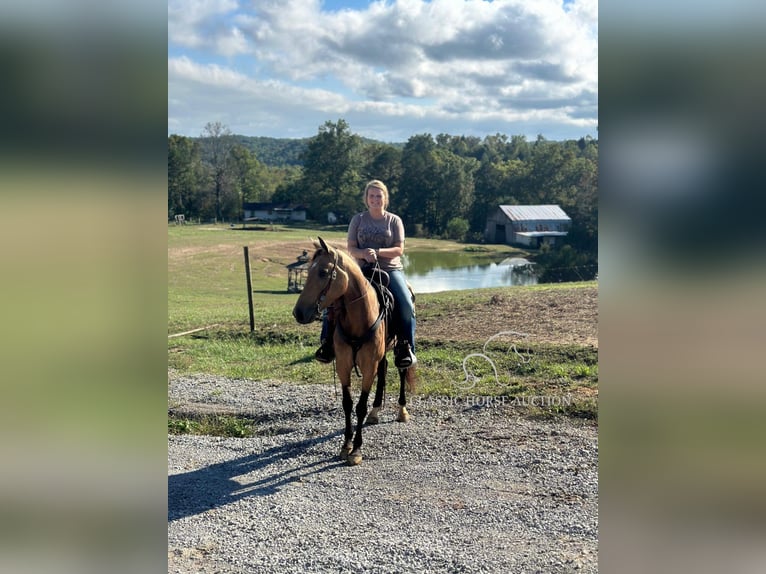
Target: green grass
{"points": [[207, 288], [215, 425]]}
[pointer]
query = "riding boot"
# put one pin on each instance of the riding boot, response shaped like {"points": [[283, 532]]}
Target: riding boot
{"points": [[404, 358], [326, 352]]}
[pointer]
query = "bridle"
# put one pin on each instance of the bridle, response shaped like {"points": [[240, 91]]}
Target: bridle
{"points": [[323, 293]]}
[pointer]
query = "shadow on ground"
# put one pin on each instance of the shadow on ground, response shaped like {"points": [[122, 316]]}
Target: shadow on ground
{"points": [[197, 491]]}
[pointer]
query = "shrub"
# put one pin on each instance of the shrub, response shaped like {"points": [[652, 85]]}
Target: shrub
{"points": [[457, 227]]}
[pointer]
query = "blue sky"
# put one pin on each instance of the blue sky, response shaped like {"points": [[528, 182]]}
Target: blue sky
{"points": [[391, 69]]}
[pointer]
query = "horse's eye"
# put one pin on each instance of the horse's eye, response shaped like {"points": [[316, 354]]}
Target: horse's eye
{"points": [[323, 273]]}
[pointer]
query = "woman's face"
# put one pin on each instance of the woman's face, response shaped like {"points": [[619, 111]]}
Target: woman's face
{"points": [[374, 198]]}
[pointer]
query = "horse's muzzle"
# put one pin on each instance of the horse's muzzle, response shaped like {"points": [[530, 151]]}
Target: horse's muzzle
{"points": [[303, 315]]}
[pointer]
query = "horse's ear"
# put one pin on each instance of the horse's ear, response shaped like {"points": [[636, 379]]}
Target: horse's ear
{"points": [[323, 244]]}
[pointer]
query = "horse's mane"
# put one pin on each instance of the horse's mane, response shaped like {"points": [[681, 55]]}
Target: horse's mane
{"points": [[346, 262]]}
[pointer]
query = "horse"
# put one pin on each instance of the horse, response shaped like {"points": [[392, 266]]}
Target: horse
{"points": [[360, 340]]}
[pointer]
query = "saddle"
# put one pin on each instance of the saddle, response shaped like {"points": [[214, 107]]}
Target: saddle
{"points": [[380, 280]]}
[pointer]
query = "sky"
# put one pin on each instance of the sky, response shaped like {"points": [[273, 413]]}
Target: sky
{"points": [[390, 69]]}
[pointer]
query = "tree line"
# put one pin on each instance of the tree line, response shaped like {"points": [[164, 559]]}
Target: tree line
{"points": [[443, 186]]}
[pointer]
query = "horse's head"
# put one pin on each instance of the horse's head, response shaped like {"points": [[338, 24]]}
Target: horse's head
{"points": [[326, 282]]}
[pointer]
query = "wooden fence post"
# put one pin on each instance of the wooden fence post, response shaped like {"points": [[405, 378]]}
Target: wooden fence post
{"points": [[249, 289]]}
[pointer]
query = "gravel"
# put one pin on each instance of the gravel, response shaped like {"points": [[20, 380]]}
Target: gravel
{"points": [[464, 486]]}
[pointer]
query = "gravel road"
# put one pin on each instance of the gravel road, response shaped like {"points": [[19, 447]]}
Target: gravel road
{"points": [[464, 486]]}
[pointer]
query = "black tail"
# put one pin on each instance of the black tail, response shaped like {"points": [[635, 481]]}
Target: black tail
{"points": [[380, 388]]}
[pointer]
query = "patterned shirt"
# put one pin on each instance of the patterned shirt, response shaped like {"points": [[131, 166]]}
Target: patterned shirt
{"points": [[369, 233]]}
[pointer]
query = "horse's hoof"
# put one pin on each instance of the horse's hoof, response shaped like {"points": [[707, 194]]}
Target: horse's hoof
{"points": [[344, 452], [403, 417], [353, 459], [372, 418]]}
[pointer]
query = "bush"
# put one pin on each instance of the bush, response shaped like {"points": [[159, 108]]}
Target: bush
{"points": [[565, 263], [457, 227]]}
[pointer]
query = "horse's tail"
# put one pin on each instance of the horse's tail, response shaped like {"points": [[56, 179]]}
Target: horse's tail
{"points": [[411, 379]]}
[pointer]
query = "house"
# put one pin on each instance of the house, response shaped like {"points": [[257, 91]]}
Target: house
{"points": [[529, 225], [273, 212]]}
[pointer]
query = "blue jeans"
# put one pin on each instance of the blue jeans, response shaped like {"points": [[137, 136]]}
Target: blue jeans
{"points": [[404, 309]]}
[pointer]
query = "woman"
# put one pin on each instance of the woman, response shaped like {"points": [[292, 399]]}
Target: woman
{"points": [[378, 235]]}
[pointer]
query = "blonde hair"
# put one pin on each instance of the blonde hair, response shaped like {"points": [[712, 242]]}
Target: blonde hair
{"points": [[377, 184]]}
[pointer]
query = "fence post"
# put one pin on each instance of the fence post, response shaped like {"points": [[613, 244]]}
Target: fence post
{"points": [[249, 289]]}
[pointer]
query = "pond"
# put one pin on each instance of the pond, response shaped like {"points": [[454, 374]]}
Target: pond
{"points": [[431, 271]]}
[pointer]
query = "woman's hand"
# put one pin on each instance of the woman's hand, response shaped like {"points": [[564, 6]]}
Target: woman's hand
{"points": [[370, 255]]}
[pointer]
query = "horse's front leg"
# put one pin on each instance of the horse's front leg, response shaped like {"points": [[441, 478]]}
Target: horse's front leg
{"points": [[348, 433], [368, 368], [343, 369], [355, 456]]}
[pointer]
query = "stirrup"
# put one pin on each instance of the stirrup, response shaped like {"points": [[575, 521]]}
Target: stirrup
{"points": [[404, 358]]}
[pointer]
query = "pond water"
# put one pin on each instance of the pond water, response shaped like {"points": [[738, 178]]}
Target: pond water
{"points": [[431, 271]]}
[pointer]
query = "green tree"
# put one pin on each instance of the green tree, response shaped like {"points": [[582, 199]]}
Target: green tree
{"points": [[331, 171], [248, 175], [290, 192], [437, 184], [497, 182], [518, 148], [463, 146], [218, 142], [455, 188], [417, 192], [185, 177], [569, 170], [276, 178]]}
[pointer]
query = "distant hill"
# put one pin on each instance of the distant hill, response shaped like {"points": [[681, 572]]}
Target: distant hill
{"points": [[275, 151], [282, 151]]}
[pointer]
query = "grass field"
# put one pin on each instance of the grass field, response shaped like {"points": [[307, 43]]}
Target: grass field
{"points": [[556, 357]]}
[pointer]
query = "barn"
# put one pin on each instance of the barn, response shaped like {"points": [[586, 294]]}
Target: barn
{"points": [[528, 225]]}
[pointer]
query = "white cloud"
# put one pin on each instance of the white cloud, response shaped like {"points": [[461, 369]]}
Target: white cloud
{"points": [[202, 24], [476, 62], [215, 76], [232, 44], [586, 11]]}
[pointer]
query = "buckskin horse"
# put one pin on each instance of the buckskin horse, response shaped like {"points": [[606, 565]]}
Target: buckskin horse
{"points": [[361, 339]]}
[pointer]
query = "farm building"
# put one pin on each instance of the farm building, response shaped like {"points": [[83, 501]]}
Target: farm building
{"points": [[529, 225], [273, 212]]}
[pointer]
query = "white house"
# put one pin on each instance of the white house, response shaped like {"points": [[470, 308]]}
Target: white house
{"points": [[529, 225], [273, 212]]}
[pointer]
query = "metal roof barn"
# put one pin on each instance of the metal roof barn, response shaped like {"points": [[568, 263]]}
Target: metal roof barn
{"points": [[528, 225]]}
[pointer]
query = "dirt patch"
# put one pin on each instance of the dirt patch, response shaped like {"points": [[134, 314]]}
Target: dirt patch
{"points": [[185, 253], [562, 316]]}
